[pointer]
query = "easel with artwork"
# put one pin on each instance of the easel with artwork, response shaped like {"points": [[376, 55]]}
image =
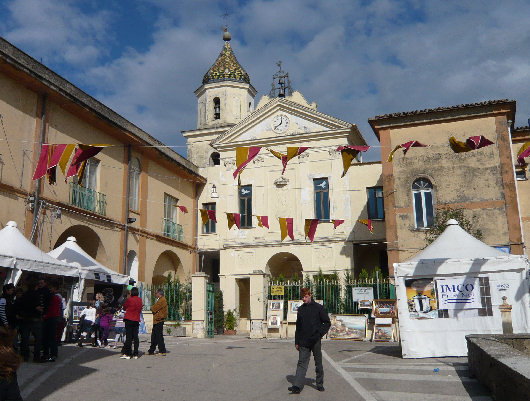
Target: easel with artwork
{"points": [[385, 312]]}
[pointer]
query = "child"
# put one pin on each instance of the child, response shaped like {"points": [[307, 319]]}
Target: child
{"points": [[105, 320], [119, 327]]}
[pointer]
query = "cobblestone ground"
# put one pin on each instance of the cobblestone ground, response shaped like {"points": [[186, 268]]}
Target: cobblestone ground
{"points": [[237, 368]]}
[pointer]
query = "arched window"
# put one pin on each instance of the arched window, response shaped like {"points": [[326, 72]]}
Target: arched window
{"points": [[134, 184], [215, 159], [423, 203], [216, 109]]}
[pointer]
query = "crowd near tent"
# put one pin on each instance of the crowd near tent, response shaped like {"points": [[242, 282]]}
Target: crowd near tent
{"points": [[18, 254], [89, 268], [453, 288]]}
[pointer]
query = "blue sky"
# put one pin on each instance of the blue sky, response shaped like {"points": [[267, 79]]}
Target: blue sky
{"points": [[355, 58]]}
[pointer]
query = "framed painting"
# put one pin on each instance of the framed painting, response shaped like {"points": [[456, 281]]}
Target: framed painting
{"points": [[292, 309], [384, 308], [276, 305], [274, 322], [365, 304], [348, 327], [383, 333]]}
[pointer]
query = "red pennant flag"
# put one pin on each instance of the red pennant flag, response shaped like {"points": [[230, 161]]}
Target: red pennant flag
{"points": [[183, 209], [211, 215], [237, 219], [349, 153], [244, 156], [83, 153], [477, 142], [311, 228], [42, 164], [291, 153], [57, 153], [290, 227], [337, 223], [405, 146], [368, 223], [263, 221]]}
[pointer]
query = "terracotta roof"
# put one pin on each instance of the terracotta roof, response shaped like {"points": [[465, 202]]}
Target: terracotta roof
{"points": [[226, 68], [437, 109], [526, 128]]}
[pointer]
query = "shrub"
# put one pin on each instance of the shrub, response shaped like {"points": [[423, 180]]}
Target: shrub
{"points": [[219, 315], [230, 320]]}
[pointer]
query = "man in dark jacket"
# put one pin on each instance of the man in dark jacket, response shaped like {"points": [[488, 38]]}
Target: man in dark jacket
{"points": [[312, 323]]}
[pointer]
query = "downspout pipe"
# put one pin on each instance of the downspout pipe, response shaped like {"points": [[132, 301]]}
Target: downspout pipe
{"points": [[126, 225], [36, 208], [196, 217]]}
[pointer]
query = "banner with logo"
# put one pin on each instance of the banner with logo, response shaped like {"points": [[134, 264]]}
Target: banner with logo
{"points": [[458, 293]]}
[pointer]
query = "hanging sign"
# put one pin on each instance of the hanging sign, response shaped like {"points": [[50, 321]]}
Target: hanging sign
{"points": [[276, 289], [362, 293], [458, 293]]}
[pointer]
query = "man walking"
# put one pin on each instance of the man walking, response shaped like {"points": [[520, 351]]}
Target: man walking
{"points": [[159, 310], [312, 323]]}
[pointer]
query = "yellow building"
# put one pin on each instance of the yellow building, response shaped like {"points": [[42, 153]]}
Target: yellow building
{"points": [[125, 214], [310, 188]]}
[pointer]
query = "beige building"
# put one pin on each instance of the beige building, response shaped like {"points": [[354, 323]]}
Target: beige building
{"points": [[481, 181], [520, 137], [125, 214], [310, 188]]}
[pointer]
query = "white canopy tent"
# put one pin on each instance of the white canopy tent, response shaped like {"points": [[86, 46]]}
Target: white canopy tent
{"points": [[467, 280], [18, 254], [89, 268]]}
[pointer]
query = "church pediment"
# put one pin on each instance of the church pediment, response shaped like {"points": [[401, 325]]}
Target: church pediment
{"points": [[281, 121]]}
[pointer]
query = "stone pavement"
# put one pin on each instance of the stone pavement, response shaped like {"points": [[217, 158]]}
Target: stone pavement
{"points": [[237, 368]]}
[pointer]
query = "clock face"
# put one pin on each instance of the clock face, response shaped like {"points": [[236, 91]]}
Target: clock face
{"points": [[280, 123]]}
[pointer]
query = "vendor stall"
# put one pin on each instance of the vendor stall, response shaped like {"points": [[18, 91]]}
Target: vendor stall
{"points": [[455, 287]]}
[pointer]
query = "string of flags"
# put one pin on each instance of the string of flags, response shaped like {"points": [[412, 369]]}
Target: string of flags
{"points": [[471, 143], [523, 153], [292, 152]]}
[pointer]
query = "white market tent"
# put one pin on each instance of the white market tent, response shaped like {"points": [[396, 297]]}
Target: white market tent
{"points": [[454, 258], [19, 254], [89, 268]]}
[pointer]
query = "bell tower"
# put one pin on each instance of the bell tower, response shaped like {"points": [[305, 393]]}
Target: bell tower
{"points": [[226, 95]]}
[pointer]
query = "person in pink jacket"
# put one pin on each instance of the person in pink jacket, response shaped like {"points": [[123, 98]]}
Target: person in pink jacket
{"points": [[105, 320], [133, 308]]}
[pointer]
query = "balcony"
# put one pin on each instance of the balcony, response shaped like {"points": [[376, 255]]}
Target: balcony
{"points": [[172, 230], [88, 199]]}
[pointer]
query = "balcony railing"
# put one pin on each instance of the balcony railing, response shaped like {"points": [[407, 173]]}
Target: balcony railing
{"points": [[87, 199], [172, 230]]}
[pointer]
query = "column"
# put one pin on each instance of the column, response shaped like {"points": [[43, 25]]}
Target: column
{"points": [[198, 304], [258, 303]]}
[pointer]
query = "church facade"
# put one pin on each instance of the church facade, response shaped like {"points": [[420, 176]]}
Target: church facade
{"points": [[310, 186]]}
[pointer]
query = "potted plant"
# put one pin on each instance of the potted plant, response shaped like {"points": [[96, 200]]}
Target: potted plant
{"points": [[230, 322], [219, 315]]}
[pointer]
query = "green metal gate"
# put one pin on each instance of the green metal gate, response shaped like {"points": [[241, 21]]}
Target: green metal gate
{"points": [[210, 299]]}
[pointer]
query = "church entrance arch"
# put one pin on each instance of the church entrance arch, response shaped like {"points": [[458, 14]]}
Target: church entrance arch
{"points": [[88, 240], [285, 264], [167, 263]]}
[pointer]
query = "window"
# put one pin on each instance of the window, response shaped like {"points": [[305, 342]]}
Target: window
{"points": [[423, 206], [321, 198], [216, 109], [520, 173], [215, 159], [134, 184], [170, 208], [485, 297], [90, 174], [209, 228], [245, 205], [376, 209]]}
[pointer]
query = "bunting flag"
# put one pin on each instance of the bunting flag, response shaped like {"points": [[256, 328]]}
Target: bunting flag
{"points": [[65, 157], [204, 216], [368, 223], [291, 153], [233, 218], [348, 154], [56, 152], [405, 146], [286, 227], [211, 215], [337, 223], [263, 221], [183, 209], [83, 153], [42, 164], [523, 152], [244, 156], [310, 228], [471, 143]]}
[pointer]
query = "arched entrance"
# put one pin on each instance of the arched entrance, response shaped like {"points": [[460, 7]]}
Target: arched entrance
{"points": [[285, 264], [167, 262], [132, 265], [87, 239]]}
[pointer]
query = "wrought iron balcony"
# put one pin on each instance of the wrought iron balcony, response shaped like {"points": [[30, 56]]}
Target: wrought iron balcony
{"points": [[172, 230], [87, 199]]}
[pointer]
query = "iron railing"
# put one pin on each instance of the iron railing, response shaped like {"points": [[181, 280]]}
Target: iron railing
{"points": [[172, 230], [87, 199], [178, 297], [336, 294]]}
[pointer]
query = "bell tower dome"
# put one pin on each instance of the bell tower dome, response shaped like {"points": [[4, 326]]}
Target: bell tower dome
{"points": [[226, 95]]}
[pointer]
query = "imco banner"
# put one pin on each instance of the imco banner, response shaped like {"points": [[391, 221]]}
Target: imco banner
{"points": [[458, 293]]}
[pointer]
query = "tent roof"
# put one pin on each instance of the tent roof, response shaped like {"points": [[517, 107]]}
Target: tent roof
{"points": [[73, 254], [16, 251], [456, 243]]}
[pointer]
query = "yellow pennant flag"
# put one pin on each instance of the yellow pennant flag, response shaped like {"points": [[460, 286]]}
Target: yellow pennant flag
{"points": [[283, 227], [204, 216], [231, 221], [66, 157], [457, 146]]}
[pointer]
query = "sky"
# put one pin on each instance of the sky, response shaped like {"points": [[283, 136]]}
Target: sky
{"points": [[355, 58]]}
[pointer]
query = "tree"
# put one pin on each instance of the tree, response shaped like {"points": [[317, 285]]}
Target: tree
{"points": [[445, 214]]}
